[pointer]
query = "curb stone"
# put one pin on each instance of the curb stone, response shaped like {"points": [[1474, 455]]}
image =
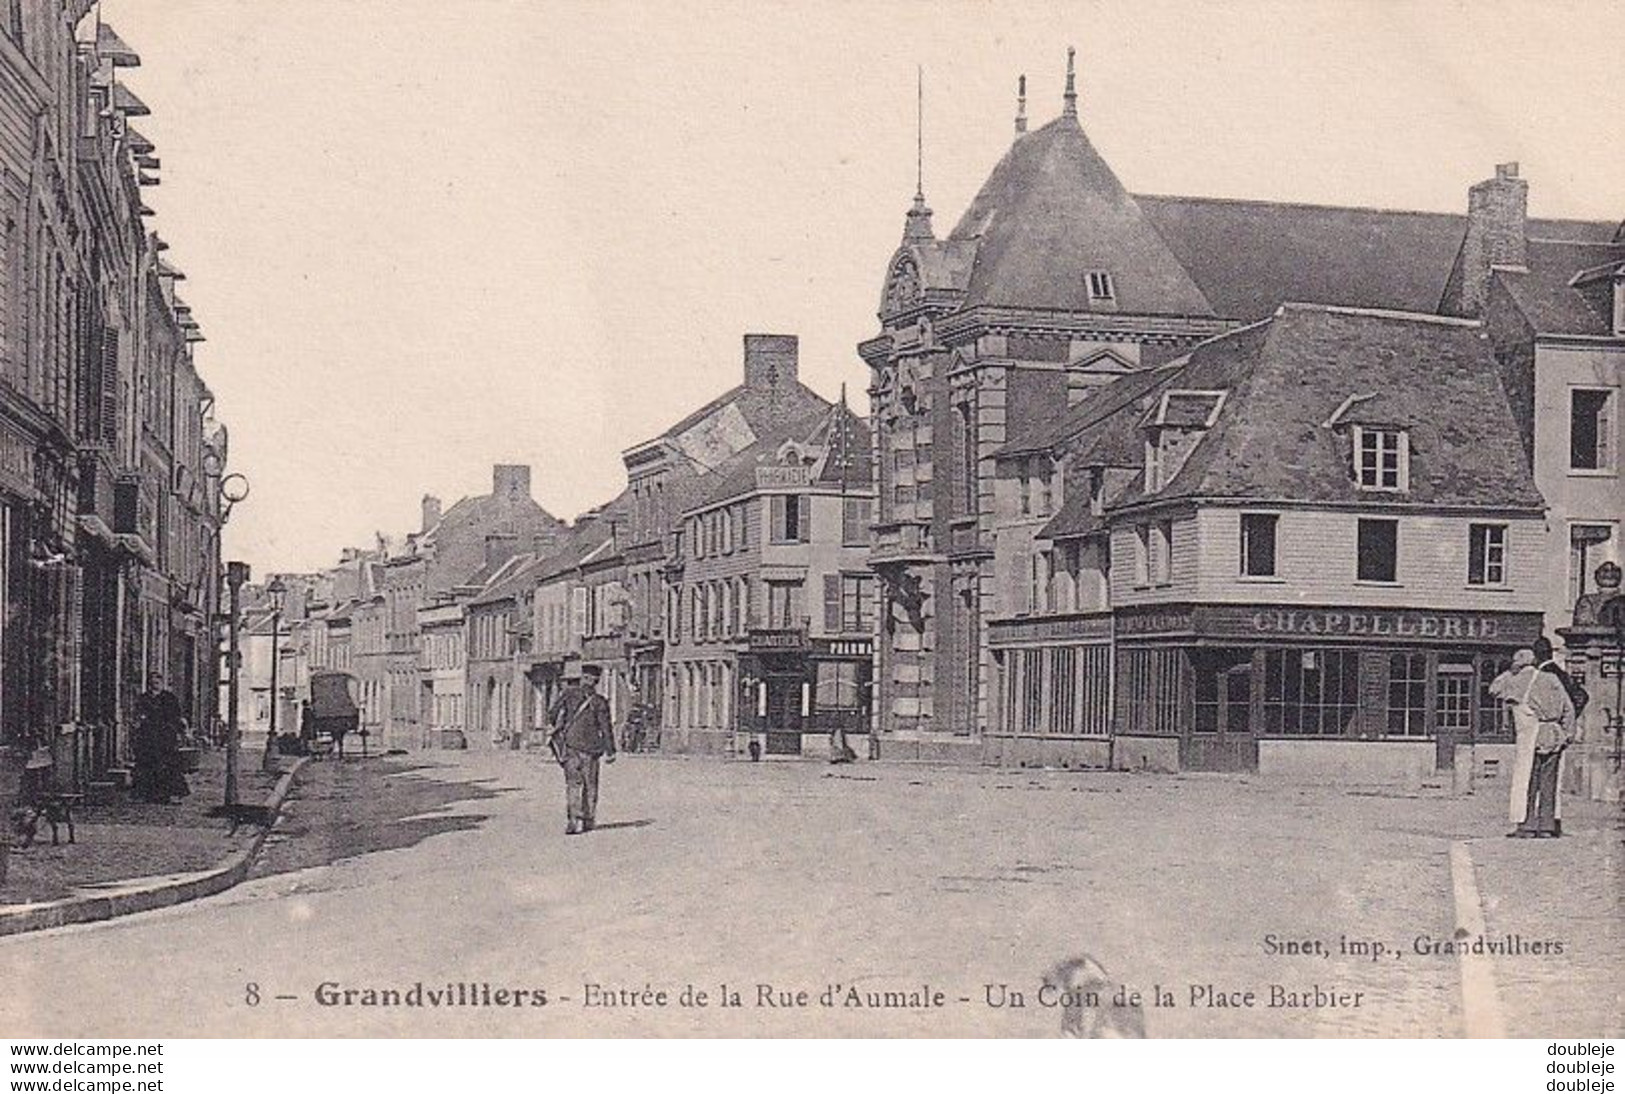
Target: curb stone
{"points": [[91, 908]]}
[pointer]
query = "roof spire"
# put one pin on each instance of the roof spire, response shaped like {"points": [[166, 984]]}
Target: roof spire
{"points": [[1021, 104], [1071, 96], [919, 135], [918, 224]]}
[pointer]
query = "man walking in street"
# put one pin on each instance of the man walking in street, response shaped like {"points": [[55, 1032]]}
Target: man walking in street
{"points": [[582, 733]]}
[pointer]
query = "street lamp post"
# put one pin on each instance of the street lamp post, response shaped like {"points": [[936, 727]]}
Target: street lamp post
{"points": [[277, 591], [236, 575], [231, 489]]}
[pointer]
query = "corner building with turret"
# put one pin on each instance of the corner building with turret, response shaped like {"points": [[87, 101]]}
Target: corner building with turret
{"points": [[1056, 283]]}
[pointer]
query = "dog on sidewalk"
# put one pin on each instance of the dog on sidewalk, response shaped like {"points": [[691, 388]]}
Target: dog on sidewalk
{"points": [[1086, 993], [25, 821]]}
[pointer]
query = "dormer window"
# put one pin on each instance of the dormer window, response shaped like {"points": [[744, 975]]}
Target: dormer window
{"points": [[1100, 286], [1382, 458], [1173, 428]]}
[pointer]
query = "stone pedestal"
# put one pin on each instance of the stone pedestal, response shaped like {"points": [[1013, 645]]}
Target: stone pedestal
{"points": [[1594, 657]]}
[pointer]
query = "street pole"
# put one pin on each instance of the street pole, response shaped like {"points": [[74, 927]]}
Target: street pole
{"points": [[268, 761], [236, 574]]}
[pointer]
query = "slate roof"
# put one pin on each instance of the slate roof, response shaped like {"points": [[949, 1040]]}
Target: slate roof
{"points": [[1250, 257], [737, 477], [521, 574], [1544, 294], [761, 407], [1076, 517], [1051, 212], [585, 537], [1082, 422], [1286, 377]]}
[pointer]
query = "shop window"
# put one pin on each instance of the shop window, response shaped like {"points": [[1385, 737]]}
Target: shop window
{"points": [[1310, 693], [837, 687], [1377, 549], [1591, 429], [1258, 544], [1381, 459], [1407, 695], [1494, 714], [1486, 554]]}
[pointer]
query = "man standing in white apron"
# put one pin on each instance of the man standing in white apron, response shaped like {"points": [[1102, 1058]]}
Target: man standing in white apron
{"points": [[1513, 687]]}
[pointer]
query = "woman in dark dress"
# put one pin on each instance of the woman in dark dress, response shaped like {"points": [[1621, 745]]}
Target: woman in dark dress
{"points": [[159, 728]]}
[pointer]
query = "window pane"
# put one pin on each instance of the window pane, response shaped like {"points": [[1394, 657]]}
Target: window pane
{"points": [[1378, 547], [1258, 544], [1588, 430]]}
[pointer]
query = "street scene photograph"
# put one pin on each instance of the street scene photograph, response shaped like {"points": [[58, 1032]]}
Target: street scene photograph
{"points": [[909, 520]]}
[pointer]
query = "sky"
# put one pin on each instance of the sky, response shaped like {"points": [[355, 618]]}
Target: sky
{"points": [[424, 237]]}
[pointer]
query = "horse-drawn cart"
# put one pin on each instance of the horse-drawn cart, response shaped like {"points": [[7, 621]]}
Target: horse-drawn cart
{"points": [[332, 715]]}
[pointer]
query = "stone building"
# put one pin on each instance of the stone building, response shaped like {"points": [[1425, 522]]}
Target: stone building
{"points": [[110, 456], [664, 474], [770, 611], [1307, 545], [453, 554], [1555, 309], [1056, 280]]}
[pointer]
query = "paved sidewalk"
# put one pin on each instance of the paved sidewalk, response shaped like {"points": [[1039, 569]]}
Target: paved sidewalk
{"points": [[130, 855]]}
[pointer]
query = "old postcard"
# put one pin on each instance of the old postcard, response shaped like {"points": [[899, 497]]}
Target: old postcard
{"points": [[527, 518]]}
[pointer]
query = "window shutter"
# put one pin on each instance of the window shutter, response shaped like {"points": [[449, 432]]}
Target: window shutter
{"points": [[832, 603], [578, 611], [777, 515]]}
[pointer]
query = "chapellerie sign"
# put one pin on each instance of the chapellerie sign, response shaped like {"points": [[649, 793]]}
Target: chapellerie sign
{"points": [[1367, 623], [1246, 622]]}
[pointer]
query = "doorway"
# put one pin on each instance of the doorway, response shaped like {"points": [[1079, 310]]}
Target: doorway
{"points": [[1222, 735]]}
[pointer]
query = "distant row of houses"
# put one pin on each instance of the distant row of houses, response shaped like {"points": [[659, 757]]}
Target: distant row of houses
{"points": [[725, 591]]}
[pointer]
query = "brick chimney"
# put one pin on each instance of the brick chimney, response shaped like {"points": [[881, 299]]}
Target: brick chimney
{"points": [[770, 360], [510, 480], [431, 511], [1497, 209]]}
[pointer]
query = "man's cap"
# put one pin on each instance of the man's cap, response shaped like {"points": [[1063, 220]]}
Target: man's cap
{"points": [[1523, 658]]}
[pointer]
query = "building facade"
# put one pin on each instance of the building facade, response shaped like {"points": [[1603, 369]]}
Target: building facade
{"points": [[1057, 282], [771, 611], [110, 455]]}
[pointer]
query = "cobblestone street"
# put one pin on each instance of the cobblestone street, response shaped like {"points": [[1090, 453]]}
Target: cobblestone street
{"points": [[884, 877]]}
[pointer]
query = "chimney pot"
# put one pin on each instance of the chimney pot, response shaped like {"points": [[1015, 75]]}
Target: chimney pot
{"points": [[510, 480], [771, 360], [1497, 235]]}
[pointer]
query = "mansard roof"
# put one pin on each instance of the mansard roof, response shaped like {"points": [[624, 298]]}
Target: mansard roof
{"points": [[1051, 213], [1287, 378], [737, 477]]}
